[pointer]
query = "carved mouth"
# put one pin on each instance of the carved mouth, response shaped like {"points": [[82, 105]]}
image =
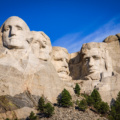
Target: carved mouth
{"points": [[63, 71], [92, 70], [12, 38]]}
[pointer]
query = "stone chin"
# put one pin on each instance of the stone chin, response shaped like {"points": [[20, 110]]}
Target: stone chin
{"points": [[93, 71], [15, 46], [93, 76], [44, 56], [64, 76], [15, 42]]}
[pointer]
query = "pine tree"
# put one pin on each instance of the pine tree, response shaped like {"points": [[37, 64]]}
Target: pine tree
{"points": [[32, 116], [117, 103], [82, 105], [96, 99], [65, 99], [115, 109], [96, 96], [103, 108], [77, 89], [90, 100], [7, 119], [41, 104], [48, 110]]}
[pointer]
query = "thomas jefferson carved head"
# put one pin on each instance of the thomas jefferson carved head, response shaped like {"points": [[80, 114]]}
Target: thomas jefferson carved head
{"points": [[60, 59], [96, 60], [41, 45], [14, 33]]}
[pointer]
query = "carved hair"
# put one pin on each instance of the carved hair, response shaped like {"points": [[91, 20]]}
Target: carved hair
{"points": [[102, 47], [59, 48], [16, 18]]}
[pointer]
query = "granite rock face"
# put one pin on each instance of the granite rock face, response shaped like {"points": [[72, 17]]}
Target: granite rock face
{"points": [[25, 63], [114, 50], [98, 67], [30, 67], [60, 59]]}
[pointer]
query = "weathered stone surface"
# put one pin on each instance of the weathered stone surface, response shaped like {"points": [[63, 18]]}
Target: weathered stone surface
{"points": [[114, 52], [74, 58], [72, 114], [19, 113], [118, 35], [109, 88], [25, 64], [60, 59], [111, 38], [14, 33], [75, 65], [41, 45], [94, 61], [98, 68], [30, 67]]}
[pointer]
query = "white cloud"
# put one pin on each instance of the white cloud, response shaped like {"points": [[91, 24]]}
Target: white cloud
{"points": [[73, 42]]}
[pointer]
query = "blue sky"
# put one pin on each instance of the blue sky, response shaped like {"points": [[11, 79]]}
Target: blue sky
{"points": [[68, 23]]}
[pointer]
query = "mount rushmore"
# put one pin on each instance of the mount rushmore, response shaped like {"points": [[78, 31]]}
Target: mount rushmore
{"points": [[30, 65]]}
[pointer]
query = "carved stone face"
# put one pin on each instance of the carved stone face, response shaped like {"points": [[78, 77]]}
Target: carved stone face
{"points": [[94, 61], [60, 58], [41, 45], [14, 33]]}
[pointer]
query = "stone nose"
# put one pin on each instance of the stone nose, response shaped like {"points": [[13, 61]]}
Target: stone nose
{"points": [[65, 64], [12, 31], [43, 44], [91, 62]]}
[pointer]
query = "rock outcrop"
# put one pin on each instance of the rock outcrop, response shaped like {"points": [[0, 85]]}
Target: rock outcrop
{"points": [[98, 67], [60, 59], [30, 67], [25, 64]]}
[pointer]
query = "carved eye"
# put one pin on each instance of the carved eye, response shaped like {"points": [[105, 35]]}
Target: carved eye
{"points": [[36, 42], [67, 60], [86, 59], [18, 27], [44, 42], [59, 59], [96, 57], [6, 28]]}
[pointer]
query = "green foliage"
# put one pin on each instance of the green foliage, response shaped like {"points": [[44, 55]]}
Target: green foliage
{"points": [[32, 116], [95, 100], [113, 114], [103, 107], [77, 89], [82, 105], [117, 103], [48, 110], [65, 99], [84, 95], [7, 119], [77, 102], [96, 96], [90, 100], [115, 109], [41, 104]]}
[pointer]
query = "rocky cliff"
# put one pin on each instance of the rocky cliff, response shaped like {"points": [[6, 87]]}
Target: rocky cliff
{"points": [[30, 67]]}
